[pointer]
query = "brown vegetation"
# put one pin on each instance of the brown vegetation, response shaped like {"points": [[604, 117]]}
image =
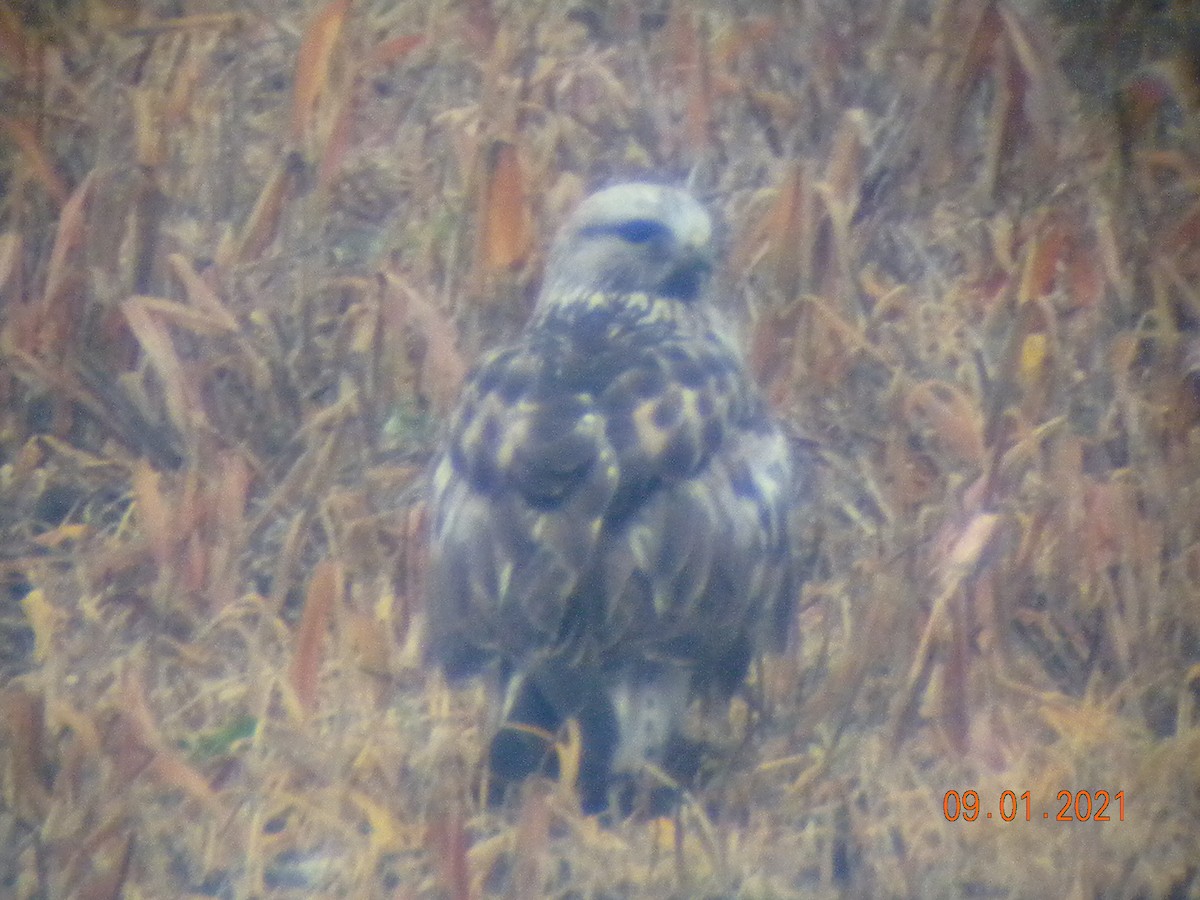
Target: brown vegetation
{"points": [[247, 252]]}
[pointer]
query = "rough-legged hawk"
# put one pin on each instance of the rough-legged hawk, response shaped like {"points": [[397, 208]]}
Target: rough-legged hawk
{"points": [[609, 517]]}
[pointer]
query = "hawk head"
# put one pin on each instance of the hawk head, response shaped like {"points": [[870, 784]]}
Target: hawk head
{"points": [[632, 238]]}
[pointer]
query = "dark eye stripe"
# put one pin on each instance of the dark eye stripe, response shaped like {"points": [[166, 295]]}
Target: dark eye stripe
{"points": [[640, 231], [635, 231]]}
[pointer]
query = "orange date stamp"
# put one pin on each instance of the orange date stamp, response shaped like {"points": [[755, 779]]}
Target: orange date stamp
{"points": [[1069, 806]]}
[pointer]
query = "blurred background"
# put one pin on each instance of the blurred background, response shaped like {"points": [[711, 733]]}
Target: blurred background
{"points": [[248, 252]]}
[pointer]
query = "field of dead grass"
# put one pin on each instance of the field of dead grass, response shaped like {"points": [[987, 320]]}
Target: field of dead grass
{"points": [[248, 251]]}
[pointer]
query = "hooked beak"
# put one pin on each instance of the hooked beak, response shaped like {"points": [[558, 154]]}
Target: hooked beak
{"points": [[687, 278]]}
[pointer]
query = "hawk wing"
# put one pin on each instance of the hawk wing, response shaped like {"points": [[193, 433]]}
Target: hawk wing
{"points": [[607, 501]]}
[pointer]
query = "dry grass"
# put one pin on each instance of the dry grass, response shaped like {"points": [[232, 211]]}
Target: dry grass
{"points": [[246, 255]]}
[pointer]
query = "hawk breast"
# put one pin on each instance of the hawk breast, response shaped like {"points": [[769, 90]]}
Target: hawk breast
{"points": [[613, 491]]}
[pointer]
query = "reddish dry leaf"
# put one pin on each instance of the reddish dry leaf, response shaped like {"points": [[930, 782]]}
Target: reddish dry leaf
{"points": [[1002, 242], [1139, 101], [480, 25], [156, 342], [533, 836], [683, 41], [193, 566], [843, 173], [189, 504], [442, 367], [781, 110], [371, 643], [689, 64], [114, 339], [312, 62], [147, 127], [324, 589], [337, 145], [228, 527], [174, 771], [950, 417], [385, 53], [984, 33], [507, 231], [1108, 510], [72, 223], [198, 321], [201, 295], [1009, 124], [910, 474], [15, 45], [946, 629], [261, 226], [165, 763], [25, 136], [698, 114], [159, 522], [180, 100], [448, 839], [967, 551], [390, 52], [1065, 472], [1041, 262], [414, 570], [88, 848], [232, 494], [1001, 128], [1036, 93], [737, 39], [772, 355], [779, 237], [1084, 277], [792, 233], [832, 343], [1123, 352], [85, 740], [212, 21], [23, 720]]}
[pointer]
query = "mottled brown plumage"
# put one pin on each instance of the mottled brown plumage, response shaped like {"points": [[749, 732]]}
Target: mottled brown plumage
{"points": [[610, 512]]}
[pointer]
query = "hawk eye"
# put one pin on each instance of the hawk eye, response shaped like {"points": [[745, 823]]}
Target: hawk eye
{"points": [[640, 231]]}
